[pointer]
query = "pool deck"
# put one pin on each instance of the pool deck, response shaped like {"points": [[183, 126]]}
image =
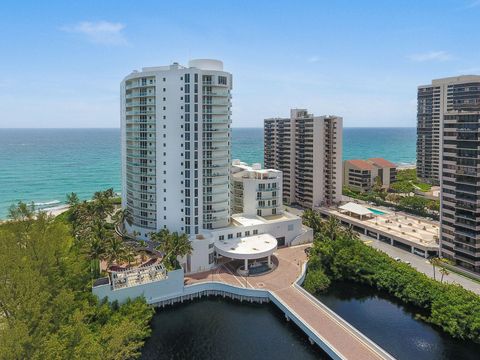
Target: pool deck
{"points": [[346, 340], [411, 230]]}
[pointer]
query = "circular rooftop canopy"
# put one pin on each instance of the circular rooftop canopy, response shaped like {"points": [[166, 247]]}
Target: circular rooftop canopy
{"points": [[250, 247]]}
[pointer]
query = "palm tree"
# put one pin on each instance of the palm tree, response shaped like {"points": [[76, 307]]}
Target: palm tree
{"points": [[332, 228], [121, 217], [96, 252], [173, 246], [311, 219], [102, 203], [115, 250], [434, 261], [444, 272]]}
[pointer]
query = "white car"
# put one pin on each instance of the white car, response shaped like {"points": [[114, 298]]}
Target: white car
{"points": [[407, 262], [397, 259]]}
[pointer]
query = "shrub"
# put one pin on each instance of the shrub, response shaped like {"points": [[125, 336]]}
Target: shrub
{"points": [[316, 281]]}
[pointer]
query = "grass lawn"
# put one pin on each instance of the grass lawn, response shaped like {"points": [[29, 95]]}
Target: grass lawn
{"points": [[423, 186]]}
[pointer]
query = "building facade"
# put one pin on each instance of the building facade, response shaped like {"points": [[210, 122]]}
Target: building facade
{"points": [[255, 191], [361, 174], [176, 147], [460, 176], [176, 168], [434, 101], [308, 151]]}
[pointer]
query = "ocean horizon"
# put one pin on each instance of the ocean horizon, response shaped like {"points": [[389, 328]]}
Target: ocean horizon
{"points": [[42, 165]]}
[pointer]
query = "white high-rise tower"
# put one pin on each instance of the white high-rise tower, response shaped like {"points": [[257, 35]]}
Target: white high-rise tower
{"points": [[176, 155]]}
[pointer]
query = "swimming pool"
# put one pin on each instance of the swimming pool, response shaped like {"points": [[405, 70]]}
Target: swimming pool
{"points": [[376, 212]]}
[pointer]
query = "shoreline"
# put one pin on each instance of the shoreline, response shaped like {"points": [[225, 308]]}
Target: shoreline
{"points": [[53, 211], [406, 166]]}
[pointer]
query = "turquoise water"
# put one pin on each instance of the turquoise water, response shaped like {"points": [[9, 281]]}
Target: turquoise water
{"points": [[43, 165], [375, 211]]}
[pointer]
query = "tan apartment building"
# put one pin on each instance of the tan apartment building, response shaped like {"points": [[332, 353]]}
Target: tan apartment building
{"points": [[361, 174], [308, 150], [460, 175], [434, 101]]}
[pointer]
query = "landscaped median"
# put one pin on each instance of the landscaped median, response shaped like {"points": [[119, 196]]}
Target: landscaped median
{"points": [[337, 255]]}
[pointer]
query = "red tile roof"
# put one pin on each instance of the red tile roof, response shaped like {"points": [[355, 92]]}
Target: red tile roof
{"points": [[381, 162], [361, 164]]}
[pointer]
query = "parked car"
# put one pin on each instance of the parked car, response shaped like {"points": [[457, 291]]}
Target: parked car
{"points": [[397, 259]]}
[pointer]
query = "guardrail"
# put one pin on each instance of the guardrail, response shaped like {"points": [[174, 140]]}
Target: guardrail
{"points": [[338, 318]]}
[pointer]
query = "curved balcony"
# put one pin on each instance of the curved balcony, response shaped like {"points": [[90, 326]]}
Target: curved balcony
{"points": [[138, 138], [137, 84], [138, 112], [217, 120], [216, 165]]}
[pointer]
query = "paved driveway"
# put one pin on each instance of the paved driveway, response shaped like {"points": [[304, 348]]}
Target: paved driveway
{"points": [[422, 264]]}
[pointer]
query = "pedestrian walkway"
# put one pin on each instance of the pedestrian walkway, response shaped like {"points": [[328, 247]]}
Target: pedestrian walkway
{"points": [[340, 335]]}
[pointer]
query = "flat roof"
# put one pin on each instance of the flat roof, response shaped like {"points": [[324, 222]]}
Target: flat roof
{"points": [[399, 226], [356, 209], [246, 220], [249, 247]]}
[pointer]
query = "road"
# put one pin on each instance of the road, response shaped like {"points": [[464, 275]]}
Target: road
{"points": [[422, 264]]}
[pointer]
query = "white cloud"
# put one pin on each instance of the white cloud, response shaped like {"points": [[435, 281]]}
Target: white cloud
{"points": [[313, 59], [430, 56], [100, 32]]}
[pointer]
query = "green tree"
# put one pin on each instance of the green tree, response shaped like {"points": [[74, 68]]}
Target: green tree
{"points": [[47, 310], [172, 245], [403, 187], [444, 272], [377, 184], [316, 281], [73, 199], [434, 261]]}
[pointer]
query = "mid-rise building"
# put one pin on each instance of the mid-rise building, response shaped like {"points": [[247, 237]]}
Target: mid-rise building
{"points": [[361, 174], [255, 191], [460, 175], [176, 168], [308, 151]]}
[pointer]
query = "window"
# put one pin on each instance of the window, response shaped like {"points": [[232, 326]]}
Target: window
{"points": [[222, 80], [239, 234], [255, 232], [221, 237], [211, 258], [259, 212], [230, 236], [247, 233]]}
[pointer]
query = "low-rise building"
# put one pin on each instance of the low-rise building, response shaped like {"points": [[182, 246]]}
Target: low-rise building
{"points": [[255, 191], [362, 174]]}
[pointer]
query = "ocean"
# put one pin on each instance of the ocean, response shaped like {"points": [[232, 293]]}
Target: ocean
{"points": [[43, 165]]}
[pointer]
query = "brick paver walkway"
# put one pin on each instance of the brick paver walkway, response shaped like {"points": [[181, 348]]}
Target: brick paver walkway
{"points": [[280, 282]]}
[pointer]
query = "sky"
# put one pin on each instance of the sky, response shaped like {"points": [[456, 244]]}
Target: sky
{"points": [[61, 62]]}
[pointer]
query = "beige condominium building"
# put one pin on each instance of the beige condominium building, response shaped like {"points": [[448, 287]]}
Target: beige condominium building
{"points": [[308, 150], [434, 101], [460, 176], [361, 174]]}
